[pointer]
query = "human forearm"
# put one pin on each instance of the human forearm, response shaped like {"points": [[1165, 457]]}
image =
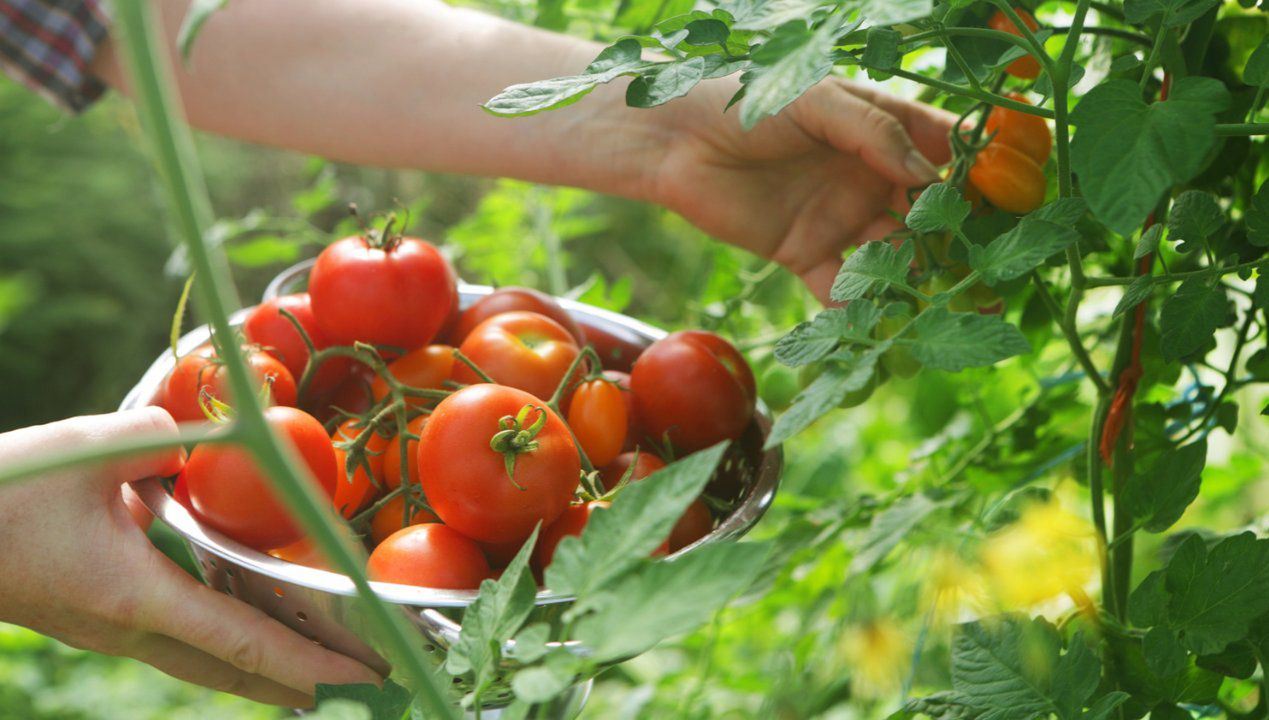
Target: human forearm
{"points": [[398, 83]]}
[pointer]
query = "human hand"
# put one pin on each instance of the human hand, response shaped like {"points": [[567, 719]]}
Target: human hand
{"points": [[801, 187], [76, 567]]}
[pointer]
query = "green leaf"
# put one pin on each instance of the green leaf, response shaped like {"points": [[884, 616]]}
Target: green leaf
{"points": [[387, 703], [769, 14], [814, 340], [665, 82], [1214, 596], [893, 12], [792, 60], [1105, 705], [1163, 652], [1256, 217], [938, 207], [1195, 217], [1256, 72], [1160, 495], [882, 50], [1014, 669], [890, 526], [200, 11], [825, 393], [666, 598], [1037, 237], [1175, 12], [341, 710], [623, 58], [945, 705], [1127, 153], [1134, 294], [542, 683], [1148, 604], [1189, 318], [872, 269], [531, 643], [640, 518], [1148, 242], [498, 612], [955, 341]]}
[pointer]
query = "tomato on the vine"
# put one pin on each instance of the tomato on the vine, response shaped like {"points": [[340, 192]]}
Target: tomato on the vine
{"points": [[267, 327], [694, 387], [428, 367], [383, 289], [202, 369], [898, 360], [511, 299], [354, 395], [429, 555], [352, 496], [941, 283], [392, 455], [597, 415], [1025, 67], [494, 461], [1009, 179], [519, 349], [1028, 134], [232, 494], [391, 518]]}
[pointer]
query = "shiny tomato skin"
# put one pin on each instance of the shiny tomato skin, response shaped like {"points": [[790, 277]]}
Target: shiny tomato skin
{"points": [[303, 552], [230, 493], [267, 327], [1025, 67], [466, 481], [695, 386], [597, 415], [519, 349], [429, 555], [1028, 134], [200, 369], [399, 296], [617, 347], [427, 367], [351, 497], [392, 455], [645, 464], [388, 519], [695, 523], [512, 299], [1008, 179]]}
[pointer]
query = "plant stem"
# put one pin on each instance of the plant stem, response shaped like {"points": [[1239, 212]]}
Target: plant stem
{"points": [[1072, 336], [1232, 129], [1147, 70], [1173, 277], [980, 95], [1037, 48], [62, 459], [1109, 32]]}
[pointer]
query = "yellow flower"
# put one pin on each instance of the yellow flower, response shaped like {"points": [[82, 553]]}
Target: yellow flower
{"points": [[952, 588], [879, 654], [1048, 552]]}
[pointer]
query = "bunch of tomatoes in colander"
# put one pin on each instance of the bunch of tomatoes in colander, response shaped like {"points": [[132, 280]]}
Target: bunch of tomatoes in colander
{"points": [[445, 437]]}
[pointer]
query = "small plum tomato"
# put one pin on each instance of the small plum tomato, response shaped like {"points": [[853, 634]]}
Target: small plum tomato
{"points": [[597, 415], [1028, 134], [1008, 179], [1025, 67]]}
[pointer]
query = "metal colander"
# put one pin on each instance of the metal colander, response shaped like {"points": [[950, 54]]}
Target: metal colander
{"points": [[321, 605]]}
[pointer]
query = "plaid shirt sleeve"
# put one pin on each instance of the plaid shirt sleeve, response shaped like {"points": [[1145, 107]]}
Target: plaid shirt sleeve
{"points": [[47, 45]]}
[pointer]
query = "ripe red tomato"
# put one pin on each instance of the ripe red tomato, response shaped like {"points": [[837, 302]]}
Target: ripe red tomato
{"points": [[617, 347], [1010, 180], [201, 369], [523, 350], [696, 523], [390, 518], [230, 493], [1028, 134], [465, 479], [597, 414], [267, 327], [1025, 67], [429, 555], [695, 387], [180, 491], [398, 292], [645, 465], [513, 299], [627, 398], [354, 394], [427, 367], [351, 497], [392, 455]]}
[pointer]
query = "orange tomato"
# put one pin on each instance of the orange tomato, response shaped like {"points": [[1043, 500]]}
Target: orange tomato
{"points": [[597, 415], [1025, 67], [428, 367], [1010, 180], [352, 496], [1028, 134], [389, 518], [392, 455]]}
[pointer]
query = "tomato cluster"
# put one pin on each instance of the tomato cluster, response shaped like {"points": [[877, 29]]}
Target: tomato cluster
{"points": [[442, 437]]}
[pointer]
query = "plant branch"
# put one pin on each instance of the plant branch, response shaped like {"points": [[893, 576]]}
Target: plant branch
{"points": [[1072, 336]]}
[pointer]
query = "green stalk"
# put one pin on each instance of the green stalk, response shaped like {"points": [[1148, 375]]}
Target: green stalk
{"points": [[188, 199], [62, 459], [980, 95]]}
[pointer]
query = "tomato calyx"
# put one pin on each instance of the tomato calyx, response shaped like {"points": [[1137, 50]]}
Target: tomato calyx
{"points": [[515, 437]]}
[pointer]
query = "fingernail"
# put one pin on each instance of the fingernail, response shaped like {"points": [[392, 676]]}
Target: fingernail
{"points": [[920, 167]]}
